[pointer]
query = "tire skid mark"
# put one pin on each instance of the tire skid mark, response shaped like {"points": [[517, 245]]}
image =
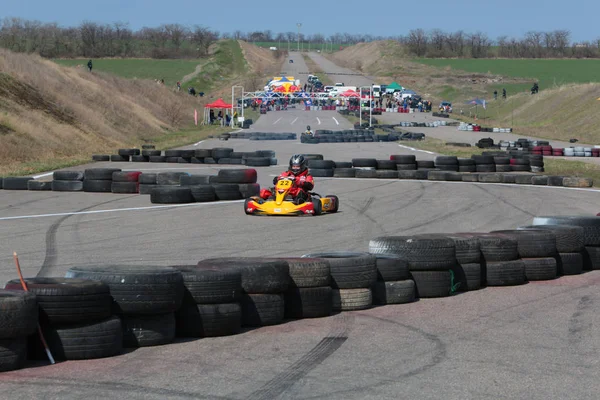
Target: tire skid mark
{"points": [[577, 325], [51, 252], [504, 201], [325, 348], [10, 206]]}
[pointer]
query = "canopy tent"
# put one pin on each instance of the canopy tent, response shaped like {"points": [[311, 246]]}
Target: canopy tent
{"points": [[393, 87], [350, 93], [477, 102], [218, 104]]}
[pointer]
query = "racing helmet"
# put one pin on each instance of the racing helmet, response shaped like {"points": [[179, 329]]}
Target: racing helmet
{"points": [[308, 128], [297, 164]]}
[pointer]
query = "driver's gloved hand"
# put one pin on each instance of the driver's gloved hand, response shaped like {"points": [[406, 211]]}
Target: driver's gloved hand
{"points": [[275, 180]]}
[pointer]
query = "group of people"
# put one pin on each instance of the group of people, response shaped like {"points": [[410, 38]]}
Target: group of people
{"points": [[219, 118]]}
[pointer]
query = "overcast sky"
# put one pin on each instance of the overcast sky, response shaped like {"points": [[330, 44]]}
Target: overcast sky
{"points": [[508, 17]]}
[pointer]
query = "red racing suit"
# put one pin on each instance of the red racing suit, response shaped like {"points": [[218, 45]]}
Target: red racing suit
{"points": [[303, 182]]}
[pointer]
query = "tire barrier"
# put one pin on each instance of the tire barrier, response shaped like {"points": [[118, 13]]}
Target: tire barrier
{"points": [[218, 155], [462, 126], [96, 311], [263, 136], [539, 148]]}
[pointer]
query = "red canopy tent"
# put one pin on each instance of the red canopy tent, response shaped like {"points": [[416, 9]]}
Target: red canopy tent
{"points": [[350, 93], [219, 104]]}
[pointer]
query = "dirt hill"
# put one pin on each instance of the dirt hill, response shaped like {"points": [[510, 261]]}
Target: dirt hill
{"points": [[49, 112]]}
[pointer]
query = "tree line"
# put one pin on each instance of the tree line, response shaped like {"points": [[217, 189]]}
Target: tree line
{"points": [[91, 39]]}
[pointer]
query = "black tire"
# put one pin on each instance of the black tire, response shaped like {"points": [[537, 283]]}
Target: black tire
{"points": [[202, 153], [405, 159], [118, 158], [312, 302], [425, 164], [505, 273], [192, 180], [67, 186], [248, 190], [570, 263], [147, 178], [97, 186], [496, 247], [208, 320], [137, 289], [100, 157], [171, 195], [590, 225], [262, 309], [246, 175], [148, 330], [169, 178], [308, 272], [437, 175], [257, 161], [151, 152], [364, 162], [406, 167], [16, 182], [125, 187], [431, 284], [140, 159], [203, 193], [391, 268], [366, 173], [386, 165], [158, 159], [569, 239], [343, 164], [394, 292], [468, 249], [126, 176], [386, 174], [67, 175], [351, 299], [128, 152], [81, 341], [100, 174], [18, 313], [259, 275], [321, 173], [466, 162], [146, 189], [532, 243], [40, 185], [173, 153], [591, 258], [467, 277], [211, 285], [540, 269], [321, 164], [521, 179], [227, 191], [13, 353], [480, 159], [221, 152], [423, 252], [350, 270], [446, 160], [65, 301]]}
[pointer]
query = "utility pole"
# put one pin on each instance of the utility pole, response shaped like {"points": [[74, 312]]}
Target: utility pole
{"points": [[299, 25]]}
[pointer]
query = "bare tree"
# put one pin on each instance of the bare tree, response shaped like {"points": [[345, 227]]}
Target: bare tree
{"points": [[176, 33], [203, 38], [417, 42]]}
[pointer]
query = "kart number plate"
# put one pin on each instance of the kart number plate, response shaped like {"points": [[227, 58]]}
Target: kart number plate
{"points": [[277, 210]]}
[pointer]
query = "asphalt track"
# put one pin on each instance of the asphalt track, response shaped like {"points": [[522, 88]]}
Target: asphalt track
{"points": [[536, 341]]}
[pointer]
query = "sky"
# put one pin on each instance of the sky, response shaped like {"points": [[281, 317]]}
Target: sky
{"points": [[379, 18]]}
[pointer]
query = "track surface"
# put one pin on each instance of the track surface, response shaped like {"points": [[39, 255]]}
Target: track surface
{"points": [[536, 341]]}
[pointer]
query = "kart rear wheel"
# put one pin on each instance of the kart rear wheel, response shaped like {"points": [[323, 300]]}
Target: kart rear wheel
{"points": [[336, 203], [317, 207], [246, 203]]}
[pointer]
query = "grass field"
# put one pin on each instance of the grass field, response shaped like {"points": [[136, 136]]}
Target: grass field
{"points": [[169, 70], [549, 72], [293, 46]]}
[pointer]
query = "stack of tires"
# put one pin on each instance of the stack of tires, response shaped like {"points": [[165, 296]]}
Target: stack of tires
{"points": [[124, 155], [536, 163], [144, 297], [76, 318], [466, 165], [365, 167], [321, 168], [386, 169], [446, 163], [16, 182], [467, 273], [18, 320], [394, 284], [430, 260], [211, 302], [484, 163], [67, 181], [168, 191], [262, 158], [98, 180], [404, 162], [147, 181], [501, 265], [264, 282], [537, 250], [242, 184], [569, 245], [125, 182], [343, 169], [309, 294], [520, 164], [591, 235], [502, 164], [352, 278]]}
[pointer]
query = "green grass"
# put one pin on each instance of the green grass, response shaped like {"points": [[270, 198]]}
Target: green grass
{"points": [[169, 70], [549, 72]]}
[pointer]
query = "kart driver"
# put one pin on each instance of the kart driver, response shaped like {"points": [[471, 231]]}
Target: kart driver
{"points": [[308, 131], [303, 182]]}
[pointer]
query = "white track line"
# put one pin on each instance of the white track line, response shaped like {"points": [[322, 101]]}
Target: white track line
{"points": [[318, 120], [196, 144], [295, 119], [117, 210], [413, 149], [277, 120], [336, 121]]}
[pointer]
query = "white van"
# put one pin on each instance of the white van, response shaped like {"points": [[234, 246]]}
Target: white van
{"points": [[376, 91]]}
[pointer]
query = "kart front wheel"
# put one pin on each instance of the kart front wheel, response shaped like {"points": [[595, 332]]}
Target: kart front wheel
{"points": [[317, 208], [246, 207], [336, 203]]}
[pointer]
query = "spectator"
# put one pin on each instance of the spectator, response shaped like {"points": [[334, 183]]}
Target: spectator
{"points": [[178, 86], [504, 93], [89, 64], [495, 95], [212, 116]]}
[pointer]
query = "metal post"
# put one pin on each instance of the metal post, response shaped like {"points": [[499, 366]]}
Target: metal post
{"points": [[370, 108], [298, 25], [360, 107]]}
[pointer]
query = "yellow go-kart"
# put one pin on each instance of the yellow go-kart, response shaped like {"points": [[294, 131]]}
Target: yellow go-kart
{"points": [[282, 203]]}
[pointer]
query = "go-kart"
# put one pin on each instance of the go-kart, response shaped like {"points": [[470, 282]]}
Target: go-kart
{"points": [[282, 203]]}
